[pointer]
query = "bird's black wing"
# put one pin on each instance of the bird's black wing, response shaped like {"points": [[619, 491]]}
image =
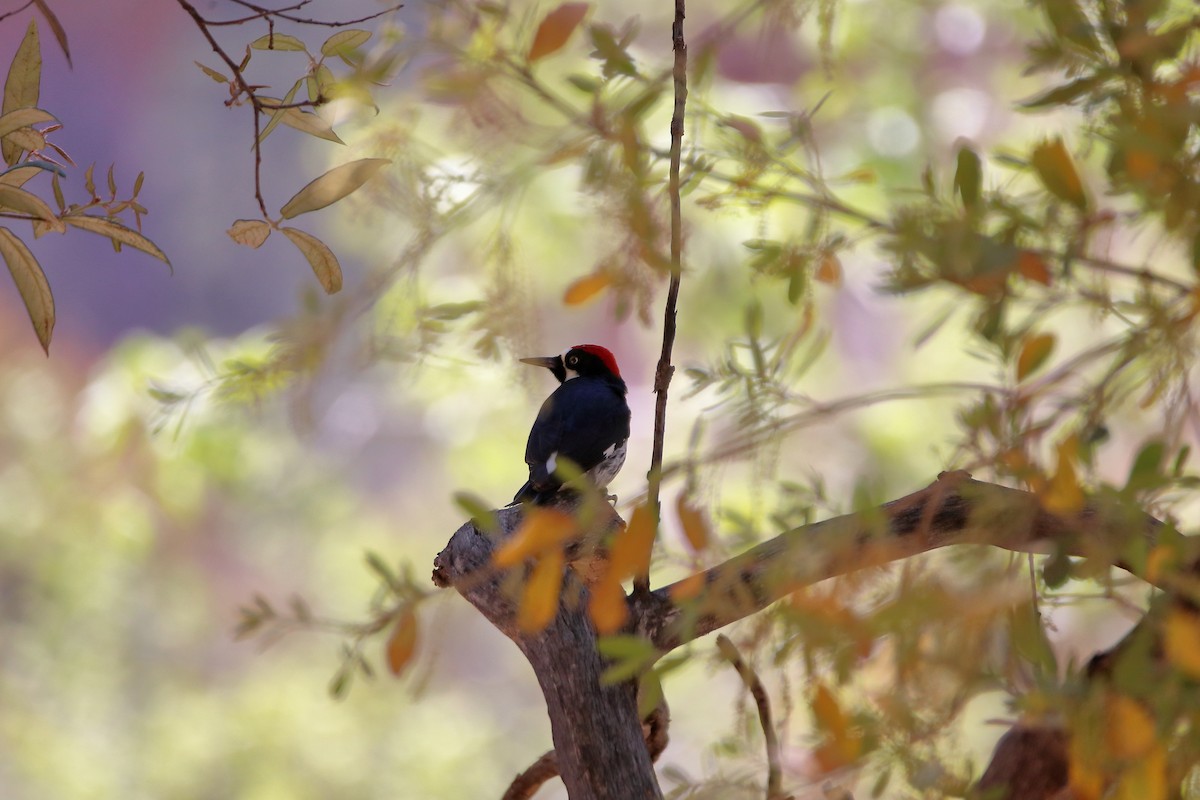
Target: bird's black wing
{"points": [[579, 421]]}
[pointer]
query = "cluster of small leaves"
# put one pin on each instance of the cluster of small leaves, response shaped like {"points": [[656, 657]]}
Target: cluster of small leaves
{"points": [[393, 610], [322, 87], [29, 154]]}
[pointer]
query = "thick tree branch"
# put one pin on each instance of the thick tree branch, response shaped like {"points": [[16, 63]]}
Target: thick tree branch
{"points": [[955, 509]]}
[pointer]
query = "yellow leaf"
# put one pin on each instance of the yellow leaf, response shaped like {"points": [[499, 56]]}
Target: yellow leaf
{"points": [[556, 29], [332, 186], [539, 601], [345, 42], [250, 232], [212, 73], [606, 605], [1035, 351], [403, 642], [23, 118], [1181, 641], [586, 288], [632, 547], [695, 525], [310, 123], [116, 232], [1055, 167], [1130, 730], [543, 529], [1063, 494], [31, 284], [279, 113], [278, 41], [322, 260], [23, 85], [1085, 779], [1145, 779], [29, 203], [56, 28]]}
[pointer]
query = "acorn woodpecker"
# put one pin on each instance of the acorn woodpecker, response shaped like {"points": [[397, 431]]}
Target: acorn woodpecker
{"points": [[585, 420]]}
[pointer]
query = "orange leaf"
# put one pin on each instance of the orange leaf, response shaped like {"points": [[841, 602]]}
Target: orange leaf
{"points": [[403, 642], [1056, 168], [556, 29], [631, 549], [1033, 267], [542, 529], [1144, 779], [843, 745], [1181, 640], [689, 587], [606, 605], [539, 602], [695, 526], [830, 270], [586, 288], [1130, 729], [1034, 353]]}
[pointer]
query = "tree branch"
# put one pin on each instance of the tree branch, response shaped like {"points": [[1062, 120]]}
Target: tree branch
{"points": [[763, 703], [955, 509]]}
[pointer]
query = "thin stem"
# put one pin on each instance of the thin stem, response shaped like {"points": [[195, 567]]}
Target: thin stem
{"points": [[762, 702], [664, 371]]}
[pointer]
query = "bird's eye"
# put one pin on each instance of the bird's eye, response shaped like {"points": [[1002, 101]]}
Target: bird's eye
{"points": [[573, 360]]}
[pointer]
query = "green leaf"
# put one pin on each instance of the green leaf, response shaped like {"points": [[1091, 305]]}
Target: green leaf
{"points": [[118, 233], [968, 177], [630, 655], [249, 232], [480, 512], [29, 203], [1071, 23], [1056, 168], [212, 73], [344, 42], [1146, 472], [332, 186], [23, 118], [1030, 641], [23, 85], [279, 113], [60, 34], [322, 260], [1063, 95], [31, 283], [25, 139], [278, 41]]}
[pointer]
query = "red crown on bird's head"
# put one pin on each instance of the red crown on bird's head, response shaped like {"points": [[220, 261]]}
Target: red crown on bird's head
{"points": [[603, 354]]}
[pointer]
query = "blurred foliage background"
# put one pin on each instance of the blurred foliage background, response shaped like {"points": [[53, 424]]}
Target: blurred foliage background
{"points": [[197, 441]]}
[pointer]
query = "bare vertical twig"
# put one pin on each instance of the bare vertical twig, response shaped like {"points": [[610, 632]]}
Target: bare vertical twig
{"points": [[664, 371], [755, 687]]}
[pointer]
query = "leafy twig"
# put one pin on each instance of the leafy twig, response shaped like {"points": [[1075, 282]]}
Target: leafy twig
{"points": [[755, 687]]}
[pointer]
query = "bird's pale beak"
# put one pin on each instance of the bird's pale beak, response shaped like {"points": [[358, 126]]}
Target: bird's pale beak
{"points": [[551, 363]]}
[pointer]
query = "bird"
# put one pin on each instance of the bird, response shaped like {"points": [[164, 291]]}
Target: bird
{"points": [[584, 421]]}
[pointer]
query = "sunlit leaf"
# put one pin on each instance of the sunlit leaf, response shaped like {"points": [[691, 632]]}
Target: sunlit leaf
{"points": [[332, 186], [632, 546], [23, 85], [541, 530], [310, 123], [1035, 351], [22, 118], [402, 642], [250, 232], [31, 283], [117, 233], [212, 73], [556, 29], [60, 34], [606, 605], [278, 41], [279, 113], [1056, 168], [322, 260], [1181, 641], [344, 42], [1063, 494], [694, 523], [968, 177], [586, 288], [539, 600], [17, 199]]}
